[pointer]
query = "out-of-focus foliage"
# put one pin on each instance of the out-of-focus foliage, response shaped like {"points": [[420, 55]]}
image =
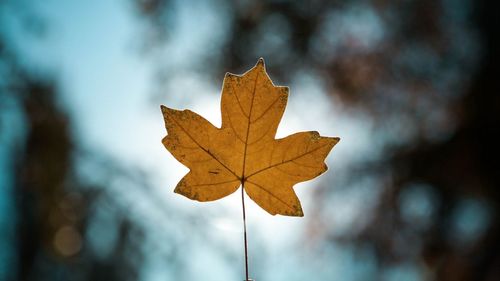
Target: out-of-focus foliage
{"points": [[64, 221], [244, 151], [59, 217]]}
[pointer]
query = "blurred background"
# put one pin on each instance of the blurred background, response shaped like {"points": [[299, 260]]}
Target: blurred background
{"points": [[86, 186]]}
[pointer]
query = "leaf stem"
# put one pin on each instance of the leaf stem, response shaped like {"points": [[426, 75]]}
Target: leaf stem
{"points": [[244, 229]]}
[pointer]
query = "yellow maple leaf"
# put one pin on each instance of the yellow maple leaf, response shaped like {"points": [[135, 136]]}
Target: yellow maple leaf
{"points": [[244, 150]]}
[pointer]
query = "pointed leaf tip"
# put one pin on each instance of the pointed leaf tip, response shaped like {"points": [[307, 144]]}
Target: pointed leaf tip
{"points": [[163, 108]]}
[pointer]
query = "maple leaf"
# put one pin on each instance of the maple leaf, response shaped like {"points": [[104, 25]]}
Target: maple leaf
{"points": [[244, 150]]}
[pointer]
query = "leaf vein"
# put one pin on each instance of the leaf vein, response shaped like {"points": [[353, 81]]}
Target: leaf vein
{"points": [[261, 137], [270, 193], [215, 183], [265, 111], [206, 150], [248, 125], [238, 100], [286, 161], [232, 127]]}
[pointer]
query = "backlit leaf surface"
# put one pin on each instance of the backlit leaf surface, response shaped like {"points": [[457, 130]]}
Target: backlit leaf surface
{"points": [[244, 151]]}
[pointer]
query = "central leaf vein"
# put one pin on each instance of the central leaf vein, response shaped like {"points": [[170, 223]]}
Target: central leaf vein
{"points": [[248, 128]]}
